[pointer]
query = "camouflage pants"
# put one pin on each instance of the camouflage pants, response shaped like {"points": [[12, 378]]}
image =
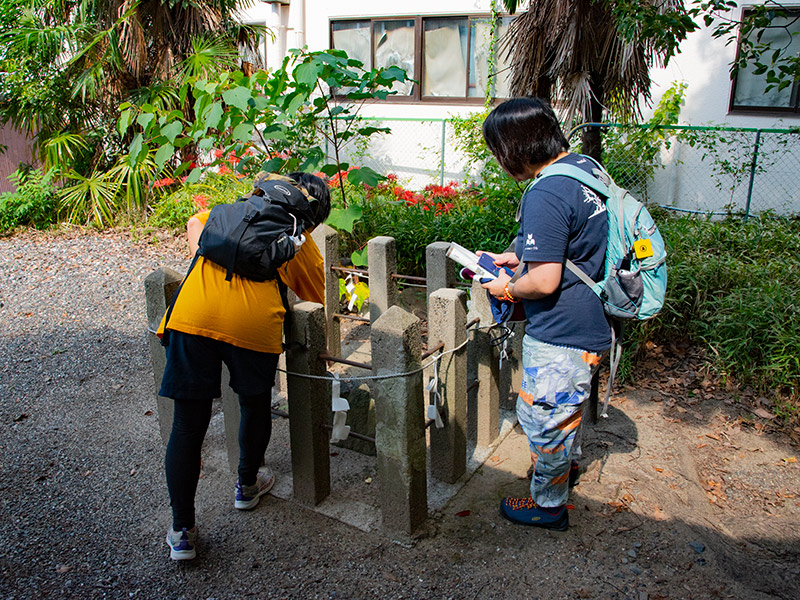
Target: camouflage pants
{"points": [[555, 383]]}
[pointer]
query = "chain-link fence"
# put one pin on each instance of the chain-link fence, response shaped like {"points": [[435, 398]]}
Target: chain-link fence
{"points": [[708, 170]]}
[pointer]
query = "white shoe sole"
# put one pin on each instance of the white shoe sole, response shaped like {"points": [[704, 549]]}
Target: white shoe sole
{"points": [[253, 502]]}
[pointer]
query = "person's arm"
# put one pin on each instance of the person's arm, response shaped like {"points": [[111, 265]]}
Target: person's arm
{"points": [[194, 227], [540, 280]]}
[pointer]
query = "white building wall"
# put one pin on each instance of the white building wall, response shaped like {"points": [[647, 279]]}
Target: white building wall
{"points": [[414, 150]]}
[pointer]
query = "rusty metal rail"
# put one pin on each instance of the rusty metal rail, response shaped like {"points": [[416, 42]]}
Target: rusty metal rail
{"points": [[344, 361]]}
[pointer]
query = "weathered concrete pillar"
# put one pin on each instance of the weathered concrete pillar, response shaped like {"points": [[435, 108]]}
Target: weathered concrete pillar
{"points": [[327, 239], [447, 319], [484, 400], [159, 288], [439, 270], [382, 258], [396, 340], [309, 405]]}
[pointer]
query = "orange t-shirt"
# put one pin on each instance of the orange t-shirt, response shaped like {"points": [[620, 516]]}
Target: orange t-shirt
{"points": [[245, 313]]}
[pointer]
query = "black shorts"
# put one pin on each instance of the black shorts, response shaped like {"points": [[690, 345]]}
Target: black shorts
{"points": [[194, 368]]}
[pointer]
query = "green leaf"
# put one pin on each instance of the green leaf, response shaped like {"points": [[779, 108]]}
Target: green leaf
{"points": [[194, 176], [344, 218], [307, 74], [144, 119], [272, 165], [359, 257], [163, 155], [214, 115], [331, 169], [364, 175], [243, 132], [125, 119], [171, 130], [238, 97], [135, 147]]}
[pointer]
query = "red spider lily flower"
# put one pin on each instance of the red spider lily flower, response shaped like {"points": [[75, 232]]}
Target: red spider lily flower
{"points": [[200, 201], [162, 182], [224, 170]]}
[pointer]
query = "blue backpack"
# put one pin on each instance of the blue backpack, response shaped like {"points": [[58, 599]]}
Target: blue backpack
{"points": [[635, 282]]}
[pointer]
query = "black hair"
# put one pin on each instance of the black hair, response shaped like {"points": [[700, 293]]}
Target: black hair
{"points": [[318, 189], [523, 132]]}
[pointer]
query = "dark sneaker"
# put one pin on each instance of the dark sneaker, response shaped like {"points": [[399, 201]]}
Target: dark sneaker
{"points": [[526, 512], [247, 496], [574, 473], [182, 544]]}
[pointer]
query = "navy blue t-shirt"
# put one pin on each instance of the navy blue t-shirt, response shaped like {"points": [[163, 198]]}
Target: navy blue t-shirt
{"points": [[561, 218]]}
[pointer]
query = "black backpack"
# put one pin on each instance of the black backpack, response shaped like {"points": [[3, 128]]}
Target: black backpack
{"points": [[258, 233]]}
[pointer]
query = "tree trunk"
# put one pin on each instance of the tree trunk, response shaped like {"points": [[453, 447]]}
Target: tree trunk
{"points": [[591, 140]]}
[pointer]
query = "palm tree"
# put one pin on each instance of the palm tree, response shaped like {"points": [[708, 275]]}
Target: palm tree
{"points": [[69, 64], [572, 53]]}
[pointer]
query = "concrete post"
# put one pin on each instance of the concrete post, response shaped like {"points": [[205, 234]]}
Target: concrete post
{"points": [[327, 239], [439, 270], [484, 401], [447, 319], [159, 288], [396, 341], [382, 258], [309, 405]]}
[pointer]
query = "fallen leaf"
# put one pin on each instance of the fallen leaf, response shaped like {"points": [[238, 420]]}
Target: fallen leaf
{"points": [[63, 568], [147, 413], [702, 445], [712, 436], [659, 469], [763, 413], [463, 513], [790, 460]]}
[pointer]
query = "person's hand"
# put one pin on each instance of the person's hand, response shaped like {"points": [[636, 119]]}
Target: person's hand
{"points": [[497, 287], [506, 259]]}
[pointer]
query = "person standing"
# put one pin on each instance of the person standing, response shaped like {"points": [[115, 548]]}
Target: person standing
{"points": [[566, 328], [238, 322]]}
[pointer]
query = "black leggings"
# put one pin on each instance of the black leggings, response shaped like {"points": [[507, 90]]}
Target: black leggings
{"points": [[182, 461]]}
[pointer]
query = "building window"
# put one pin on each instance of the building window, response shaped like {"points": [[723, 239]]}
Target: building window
{"points": [[748, 90], [448, 56]]}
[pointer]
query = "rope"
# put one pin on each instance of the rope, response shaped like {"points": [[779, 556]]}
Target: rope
{"points": [[390, 375]]}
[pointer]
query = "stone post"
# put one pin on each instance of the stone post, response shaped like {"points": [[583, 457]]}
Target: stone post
{"points": [[309, 405], [159, 288], [396, 340], [484, 401], [327, 239], [447, 319], [382, 258], [439, 271]]}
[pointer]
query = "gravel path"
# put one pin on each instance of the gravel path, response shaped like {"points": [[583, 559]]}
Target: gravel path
{"points": [[83, 504]]}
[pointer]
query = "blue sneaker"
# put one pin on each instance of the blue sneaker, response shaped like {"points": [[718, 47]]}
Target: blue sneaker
{"points": [[247, 496], [526, 512], [182, 544]]}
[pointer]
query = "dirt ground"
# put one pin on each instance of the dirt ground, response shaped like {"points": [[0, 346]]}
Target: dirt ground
{"points": [[686, 492]]}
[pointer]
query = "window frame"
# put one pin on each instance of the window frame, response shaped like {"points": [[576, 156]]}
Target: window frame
{"points": [[417, 96], [794, 99]]}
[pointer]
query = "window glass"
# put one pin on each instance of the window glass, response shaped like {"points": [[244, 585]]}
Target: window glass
{"points": [[502, 63], [445, 50], [480, 39], [353, 38], [394, 46], [749, 87]]}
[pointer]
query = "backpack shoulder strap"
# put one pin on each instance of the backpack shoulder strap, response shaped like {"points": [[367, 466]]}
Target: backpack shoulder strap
{"points": [[578, 174]]}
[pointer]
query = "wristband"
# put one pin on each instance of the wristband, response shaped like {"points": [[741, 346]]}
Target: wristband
{"points": [[507, 295]]}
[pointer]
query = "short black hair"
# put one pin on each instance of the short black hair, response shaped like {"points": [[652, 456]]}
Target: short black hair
{"points": [[523, 132], [318, 189]]}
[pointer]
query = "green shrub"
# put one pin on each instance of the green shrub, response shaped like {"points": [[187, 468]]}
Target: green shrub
{"points": [[34, 204], [450, 213], [175, 208]]}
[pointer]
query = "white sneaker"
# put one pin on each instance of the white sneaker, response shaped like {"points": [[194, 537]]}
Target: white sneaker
{"points": [[247, 496], [182, 544]]}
